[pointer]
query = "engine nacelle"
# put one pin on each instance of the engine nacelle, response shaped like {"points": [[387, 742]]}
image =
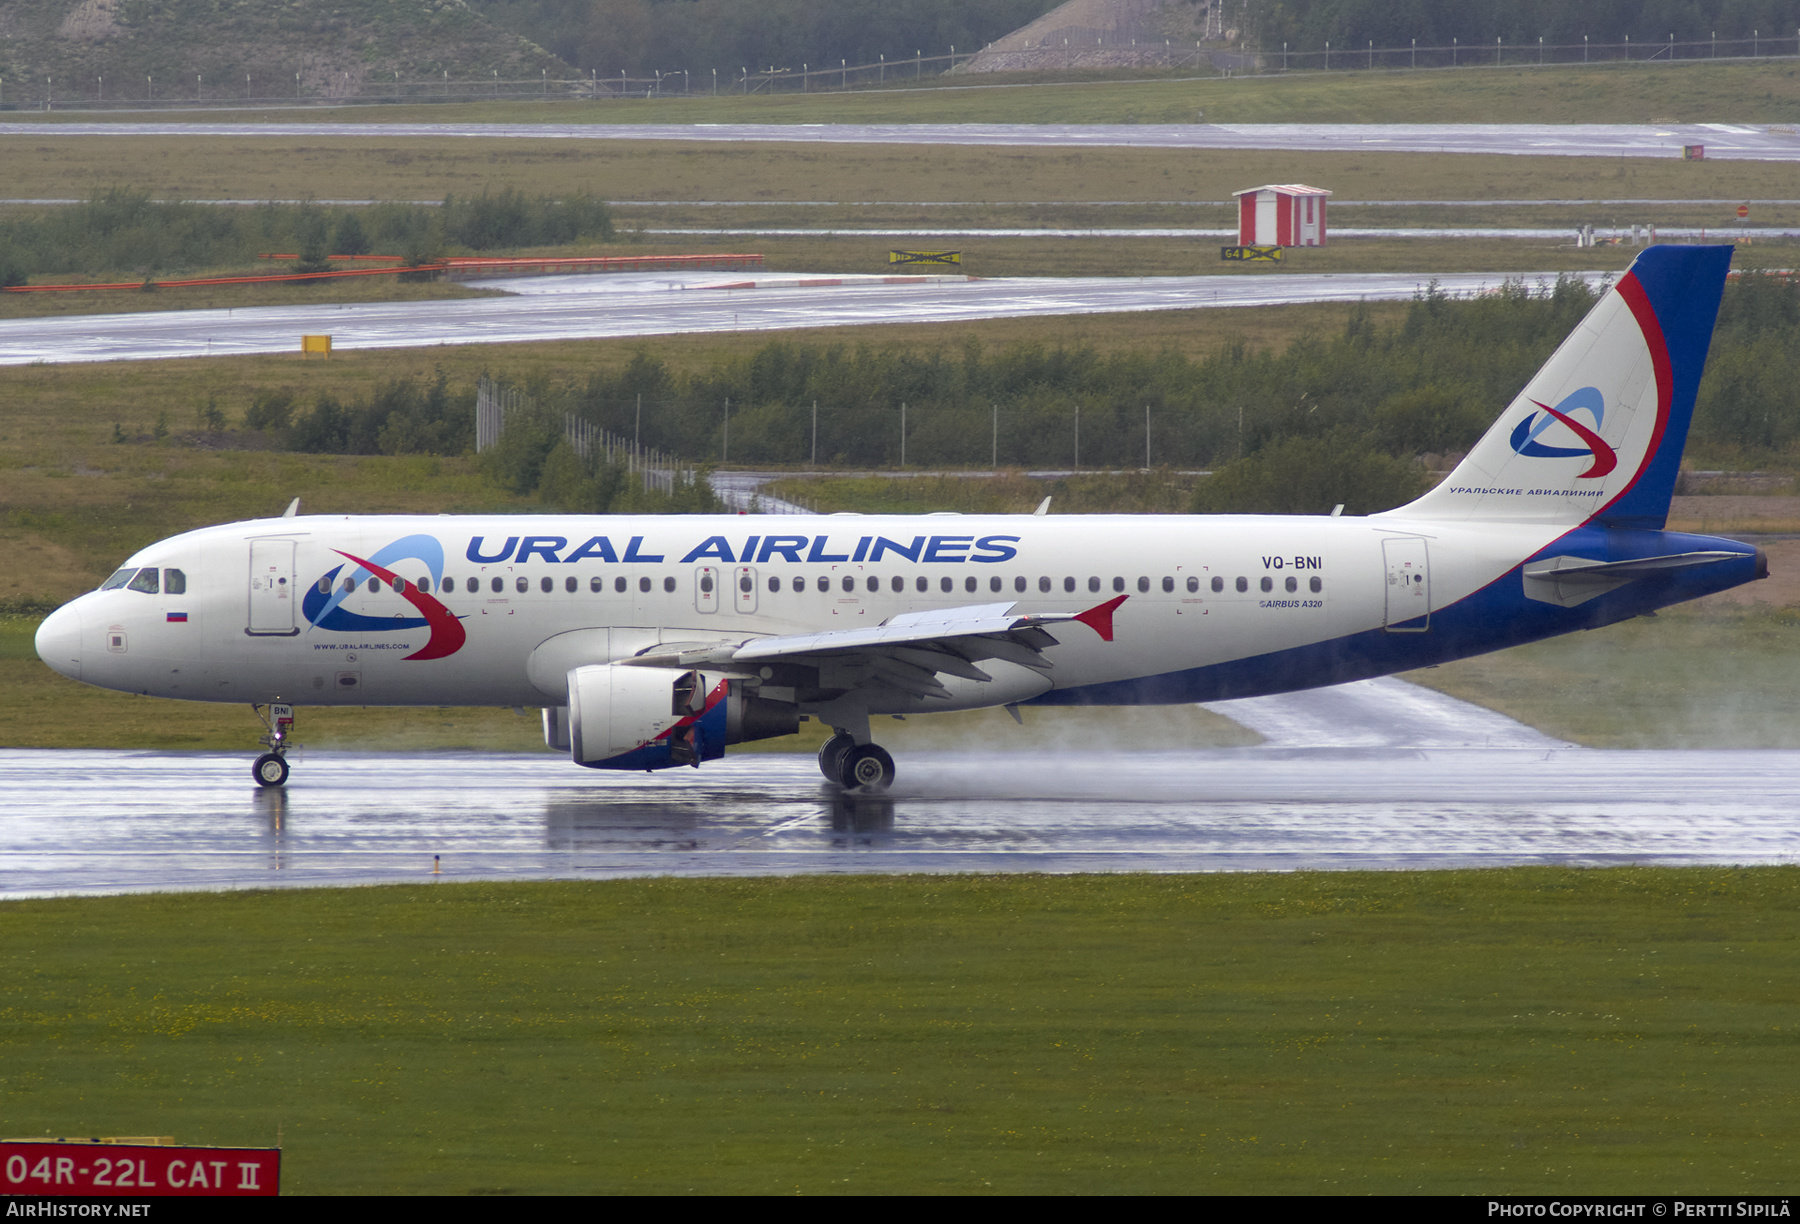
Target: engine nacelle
{"points": [[622, 717]]}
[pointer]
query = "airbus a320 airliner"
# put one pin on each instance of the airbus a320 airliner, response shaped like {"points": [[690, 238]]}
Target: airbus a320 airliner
{"points": [[657, 641]]}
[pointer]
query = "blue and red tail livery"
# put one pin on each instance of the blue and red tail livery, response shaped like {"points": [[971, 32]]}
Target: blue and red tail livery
{"points": [[1597, 434]]}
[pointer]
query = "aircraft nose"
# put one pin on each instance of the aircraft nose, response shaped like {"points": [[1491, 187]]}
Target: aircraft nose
{"points": [[59, 641]]}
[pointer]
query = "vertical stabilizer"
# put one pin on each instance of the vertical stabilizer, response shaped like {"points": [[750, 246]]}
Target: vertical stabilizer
{"points": [[1597, 434]]}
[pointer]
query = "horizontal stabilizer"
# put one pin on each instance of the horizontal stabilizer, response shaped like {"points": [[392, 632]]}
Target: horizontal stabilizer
{"points": [[1569, 581]]}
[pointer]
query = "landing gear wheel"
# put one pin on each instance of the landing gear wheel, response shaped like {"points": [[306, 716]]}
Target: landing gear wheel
{"points": [[868, 768], [832, 756], [271, 769]]}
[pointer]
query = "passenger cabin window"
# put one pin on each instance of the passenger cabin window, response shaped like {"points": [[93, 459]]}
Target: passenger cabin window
{"points": [[1316, 584], [994, 583], [1143, 585], [474, 585], [774, 586], [596, 585], [1268, 584], [969, 584], [1293, 584], [1019, 584], [146, 581], [1243, 584], [669, 584], [899, 584], [924, 584], [1044, 585], [874, 584], [644, 585], [824, 584], [1118, 584], [374, 586], [1168, 585], [849, 583], [498, 585], [424, 585], [1194, 585], [1069, 584], [521, 584], [619, 585], [1093, 583], [946, 585], [1218, 584], [325, 585]]}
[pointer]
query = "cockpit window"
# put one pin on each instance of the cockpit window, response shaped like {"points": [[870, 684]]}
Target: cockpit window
{"points": [[146, 581], [117, 580], [174, 582]]}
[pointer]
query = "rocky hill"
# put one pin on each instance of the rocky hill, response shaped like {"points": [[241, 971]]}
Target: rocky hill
{"points": [[1097, 34], [73, 51]]}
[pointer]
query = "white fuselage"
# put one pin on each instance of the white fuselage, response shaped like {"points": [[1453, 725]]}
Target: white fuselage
{"points": [[1200, 591]]}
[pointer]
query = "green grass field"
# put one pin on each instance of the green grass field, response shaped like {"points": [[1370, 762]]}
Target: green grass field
{"points": [[1530, 1031]]}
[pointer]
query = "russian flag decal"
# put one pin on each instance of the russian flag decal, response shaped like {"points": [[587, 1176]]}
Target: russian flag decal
{"points": [[178, 618]]}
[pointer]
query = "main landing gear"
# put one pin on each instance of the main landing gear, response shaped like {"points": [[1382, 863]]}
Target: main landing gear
{"points": [[271, 768], [856, 766]]}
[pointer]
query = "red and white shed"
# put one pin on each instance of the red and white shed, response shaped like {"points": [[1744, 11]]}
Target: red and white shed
{"points": [[1281, 214]]}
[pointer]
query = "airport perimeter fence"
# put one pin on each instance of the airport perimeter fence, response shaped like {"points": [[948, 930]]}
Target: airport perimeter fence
{"points": [[110, 92], [494, 403], [659, 471], [1069, 49], [1500, 53]]}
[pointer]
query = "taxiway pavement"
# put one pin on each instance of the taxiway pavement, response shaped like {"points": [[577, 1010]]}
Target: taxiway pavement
{"points": [[589, 307], [1723, 141]]}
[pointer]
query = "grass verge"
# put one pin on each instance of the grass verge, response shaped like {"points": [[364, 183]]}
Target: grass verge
{"points": [[1719, 677], [1528, 1031], [44, 165]]}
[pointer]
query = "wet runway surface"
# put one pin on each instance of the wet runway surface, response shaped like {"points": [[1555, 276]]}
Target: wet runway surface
{"points": [[580, 307], [109, 822], [1729, 141], [1401, 777]]}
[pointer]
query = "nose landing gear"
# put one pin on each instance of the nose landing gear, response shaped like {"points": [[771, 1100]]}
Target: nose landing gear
{"points": [[271, 768]]}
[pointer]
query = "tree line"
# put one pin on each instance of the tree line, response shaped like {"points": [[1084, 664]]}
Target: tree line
{"points": [[124, 231]]}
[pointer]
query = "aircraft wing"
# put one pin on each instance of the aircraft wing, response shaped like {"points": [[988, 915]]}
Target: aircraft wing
{"points": [[906, 652]]}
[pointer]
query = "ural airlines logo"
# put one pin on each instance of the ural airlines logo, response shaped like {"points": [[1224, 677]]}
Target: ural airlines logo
{"points": [[1525, 437], [324, 608]]}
